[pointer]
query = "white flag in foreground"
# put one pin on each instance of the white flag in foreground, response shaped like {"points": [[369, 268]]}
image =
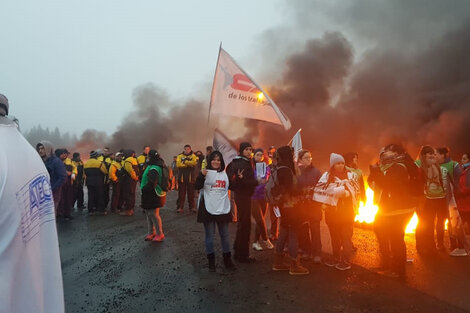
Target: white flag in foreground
{"points": [[235, 93], [224, 146], [297, 144]]}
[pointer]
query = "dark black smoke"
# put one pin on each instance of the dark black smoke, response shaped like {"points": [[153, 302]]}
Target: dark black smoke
{"points": [[161, 123], [389, 96]]}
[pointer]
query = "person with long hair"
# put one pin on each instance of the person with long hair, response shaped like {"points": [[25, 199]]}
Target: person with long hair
{"points": [[435, 202], [391, 179], [309, 236], [338, 190], [214, 207], [153, 197], [290, 221], [259, 204]]}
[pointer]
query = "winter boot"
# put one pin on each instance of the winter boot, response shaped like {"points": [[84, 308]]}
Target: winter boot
{"points": [[279, 263], [296, 268], [211, 259], [228, 261]]}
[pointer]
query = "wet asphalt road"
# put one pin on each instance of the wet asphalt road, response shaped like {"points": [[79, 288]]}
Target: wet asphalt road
{"points": [[107, 267]]}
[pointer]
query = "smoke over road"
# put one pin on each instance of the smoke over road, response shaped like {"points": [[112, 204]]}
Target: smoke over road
{"points": [[409, 82]]}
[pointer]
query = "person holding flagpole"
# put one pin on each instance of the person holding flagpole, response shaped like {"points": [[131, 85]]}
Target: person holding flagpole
{"points": [[243, 182]]}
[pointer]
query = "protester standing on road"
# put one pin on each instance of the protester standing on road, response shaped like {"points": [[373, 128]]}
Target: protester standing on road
{"points": [[30, 270], [435, 203], [95, 171], [56, 169], [78, 196], [115, 175], [392, 178], [186, 162], [288, 192], [309, 233], [153, 196], [273, 219], [259, 204], [129, 182], [66, 199], [214, 207], [242, 182], [338, 190]]}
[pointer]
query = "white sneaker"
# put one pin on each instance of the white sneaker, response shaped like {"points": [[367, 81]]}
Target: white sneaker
{"points": [[256, 246], [267, 244], [458, 252]]}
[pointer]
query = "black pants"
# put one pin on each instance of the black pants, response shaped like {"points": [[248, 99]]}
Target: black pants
{"points": [[425, 230], [95, 199], [128, 192], [78, 195], [183, 189], [259, 208], [242, 238], [390, 232], [340, 233], [106, 195]]}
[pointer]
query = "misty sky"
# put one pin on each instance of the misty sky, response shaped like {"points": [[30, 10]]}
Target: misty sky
{"points": [[74, 64]]}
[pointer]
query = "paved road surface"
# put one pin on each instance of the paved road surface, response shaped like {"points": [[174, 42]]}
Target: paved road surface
{"points": [[107, 267]]}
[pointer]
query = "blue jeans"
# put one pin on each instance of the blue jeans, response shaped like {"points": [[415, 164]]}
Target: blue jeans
{"points": [[288, 234], [209, 227]]}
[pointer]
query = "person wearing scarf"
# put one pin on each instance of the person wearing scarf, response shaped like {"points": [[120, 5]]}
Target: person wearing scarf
{"points": [[435, 202], [393, 192], [338, 190], [290, 216]]}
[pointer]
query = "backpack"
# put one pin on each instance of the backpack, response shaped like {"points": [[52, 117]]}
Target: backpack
{"points": [[165, 182], [272, 193]]}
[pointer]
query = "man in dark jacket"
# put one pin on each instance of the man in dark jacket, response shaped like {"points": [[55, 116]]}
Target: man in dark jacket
{"points": [[243, 182], [56, 169]]}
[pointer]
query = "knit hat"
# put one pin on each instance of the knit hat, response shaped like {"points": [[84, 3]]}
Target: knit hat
{"points": [[335, 158], [94, 154], [4, 103], [243, 146]]}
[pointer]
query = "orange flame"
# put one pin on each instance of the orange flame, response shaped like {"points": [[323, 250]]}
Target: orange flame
{"points": [[368, 210]]}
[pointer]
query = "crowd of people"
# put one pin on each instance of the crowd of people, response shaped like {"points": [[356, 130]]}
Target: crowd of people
{"points": [[288, 188]]}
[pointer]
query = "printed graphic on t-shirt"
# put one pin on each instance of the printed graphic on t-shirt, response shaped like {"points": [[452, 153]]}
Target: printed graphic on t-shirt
{"points": [[36, 204]]}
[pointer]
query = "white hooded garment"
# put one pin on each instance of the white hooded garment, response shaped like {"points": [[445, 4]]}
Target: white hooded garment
{"points": [[30, 270]]}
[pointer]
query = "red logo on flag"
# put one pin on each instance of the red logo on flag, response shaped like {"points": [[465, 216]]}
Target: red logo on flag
{"points": [[243, 83]]}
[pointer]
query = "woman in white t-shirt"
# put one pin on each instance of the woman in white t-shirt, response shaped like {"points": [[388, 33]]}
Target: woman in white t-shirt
{"points": [[214, 207]]}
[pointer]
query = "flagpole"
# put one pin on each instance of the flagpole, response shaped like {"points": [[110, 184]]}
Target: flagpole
{"points": [[300, 129], [213, 83]]}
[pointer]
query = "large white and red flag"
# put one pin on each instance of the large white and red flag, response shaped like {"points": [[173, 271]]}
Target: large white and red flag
{"points": [[235, 93]]}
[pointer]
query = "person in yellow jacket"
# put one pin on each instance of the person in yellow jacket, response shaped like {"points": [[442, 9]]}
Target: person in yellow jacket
{"points": [[142, 161], [129, 181], [95, 171], [209, 150], [106, 158], [186, 163], [78, 182], [66, 201], [115, 176]]}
